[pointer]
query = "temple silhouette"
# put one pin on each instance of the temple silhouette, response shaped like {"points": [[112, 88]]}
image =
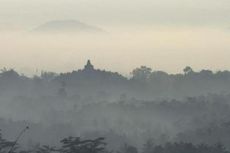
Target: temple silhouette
{"points": [[88, 67], [89, 73]]}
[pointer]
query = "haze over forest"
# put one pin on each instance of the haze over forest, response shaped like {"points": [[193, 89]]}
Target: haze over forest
{"points": [[114, 76], [191, 107]]}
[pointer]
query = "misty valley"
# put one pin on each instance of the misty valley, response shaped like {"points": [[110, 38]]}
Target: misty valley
{"points": [[98, 111]]}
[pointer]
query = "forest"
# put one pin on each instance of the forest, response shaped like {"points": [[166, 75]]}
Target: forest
{"points": [[93, 111]]}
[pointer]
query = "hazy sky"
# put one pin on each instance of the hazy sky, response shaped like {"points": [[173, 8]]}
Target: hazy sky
{"points": [[162, 34]]}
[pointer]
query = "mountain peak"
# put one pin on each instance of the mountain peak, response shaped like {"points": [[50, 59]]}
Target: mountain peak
{"points": [[66, 26]]}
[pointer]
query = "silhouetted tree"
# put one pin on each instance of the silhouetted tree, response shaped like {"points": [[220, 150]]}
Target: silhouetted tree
{"points": [[76, 145], [142, 73], [48, 75], [5, 145], [187, 70], [46, 149]]}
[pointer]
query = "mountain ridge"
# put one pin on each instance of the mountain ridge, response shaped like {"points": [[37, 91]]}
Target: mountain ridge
{"points": [[67, 26]]}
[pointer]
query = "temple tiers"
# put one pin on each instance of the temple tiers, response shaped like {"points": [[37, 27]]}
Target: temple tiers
{"points": [[89, 67]]}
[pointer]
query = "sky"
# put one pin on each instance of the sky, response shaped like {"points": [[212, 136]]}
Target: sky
{"points": [[163, 34]]}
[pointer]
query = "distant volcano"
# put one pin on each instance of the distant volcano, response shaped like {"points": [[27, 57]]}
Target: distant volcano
{"points": [[67, 26]]}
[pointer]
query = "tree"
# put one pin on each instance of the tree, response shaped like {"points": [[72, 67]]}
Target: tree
{"points": [[76, 145], [46, 149], [142, 73], [5, 145], [48, 75], [187, 70], [9, 74]]}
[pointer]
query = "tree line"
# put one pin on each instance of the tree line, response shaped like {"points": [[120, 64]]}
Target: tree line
{"points": [[98, 145]]}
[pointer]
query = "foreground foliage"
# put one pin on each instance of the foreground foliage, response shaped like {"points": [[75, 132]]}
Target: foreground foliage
{"points": [[98, 145]]}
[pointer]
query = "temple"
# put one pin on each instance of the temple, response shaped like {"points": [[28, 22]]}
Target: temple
{"points": [[88, 67]]}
